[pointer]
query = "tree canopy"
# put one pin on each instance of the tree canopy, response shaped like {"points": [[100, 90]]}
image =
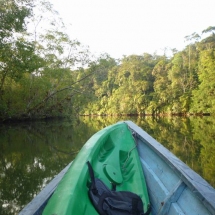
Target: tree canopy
{"points": [[44, 73]]}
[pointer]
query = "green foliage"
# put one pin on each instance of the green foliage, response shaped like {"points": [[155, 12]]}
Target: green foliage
{"points": [[127, 88], [12, 16], [161, 84], [150, 84], [41, 73], [204, 95], [35, 72]]}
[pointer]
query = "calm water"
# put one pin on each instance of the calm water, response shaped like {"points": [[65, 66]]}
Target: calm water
{"points": [[32, 154]]}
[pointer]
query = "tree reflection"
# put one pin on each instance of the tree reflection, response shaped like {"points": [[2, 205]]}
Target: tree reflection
{"points": [[32, 154]]}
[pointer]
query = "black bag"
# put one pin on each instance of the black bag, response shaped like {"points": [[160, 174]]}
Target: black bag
{"points": [[110, 202]]}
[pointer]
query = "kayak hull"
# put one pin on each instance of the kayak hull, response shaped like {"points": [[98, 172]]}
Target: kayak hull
{"points": [[113, 155]]}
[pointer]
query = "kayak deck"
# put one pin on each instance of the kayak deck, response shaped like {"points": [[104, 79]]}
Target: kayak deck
{"points": [[113, 155]]}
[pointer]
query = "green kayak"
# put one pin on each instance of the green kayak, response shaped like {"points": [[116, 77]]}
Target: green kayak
{"points": [[114, 158]]}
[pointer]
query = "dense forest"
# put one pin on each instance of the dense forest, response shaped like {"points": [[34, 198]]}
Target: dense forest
{"points": [[44, 73]]}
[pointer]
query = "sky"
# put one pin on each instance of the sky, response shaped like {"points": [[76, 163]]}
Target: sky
{"points": [[126, 27]]}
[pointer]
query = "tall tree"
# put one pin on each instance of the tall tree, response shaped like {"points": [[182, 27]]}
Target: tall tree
{"points": [[35, 65], [12, 49], [162, 95], [17, 55], [203, 97]]}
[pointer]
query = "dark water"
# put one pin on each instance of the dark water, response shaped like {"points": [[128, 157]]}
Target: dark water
{"points": [[31, 154]]}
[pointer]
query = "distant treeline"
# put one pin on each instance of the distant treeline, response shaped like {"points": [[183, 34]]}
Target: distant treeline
{"points": [[153, 84], [39, 76]]}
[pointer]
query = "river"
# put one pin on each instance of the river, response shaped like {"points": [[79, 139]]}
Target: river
{"points": [[31, 154]]}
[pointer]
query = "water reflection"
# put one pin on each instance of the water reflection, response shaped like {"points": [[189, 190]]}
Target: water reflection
{"points": [[32, 154]]}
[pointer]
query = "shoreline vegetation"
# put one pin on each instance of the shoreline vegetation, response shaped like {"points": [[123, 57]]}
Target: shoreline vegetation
{"points": [[50, 118], [44, 74]]}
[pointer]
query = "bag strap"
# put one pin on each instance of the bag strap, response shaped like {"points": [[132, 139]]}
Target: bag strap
{"points": [[148, 210], [92, 177]]}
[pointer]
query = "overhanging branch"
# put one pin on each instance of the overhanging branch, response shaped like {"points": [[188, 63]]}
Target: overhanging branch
{"points": [[37, 106]]}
